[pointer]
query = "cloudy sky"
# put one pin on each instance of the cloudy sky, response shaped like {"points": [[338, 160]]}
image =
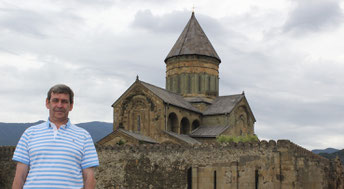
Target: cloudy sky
{"points": [[287, 55]]}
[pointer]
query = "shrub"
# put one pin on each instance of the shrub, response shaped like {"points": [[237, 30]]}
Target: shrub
{"points": [[121, 142], [236, 139]]}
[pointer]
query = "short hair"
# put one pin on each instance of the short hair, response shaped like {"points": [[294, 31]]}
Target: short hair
{"points": [[61, 89]]}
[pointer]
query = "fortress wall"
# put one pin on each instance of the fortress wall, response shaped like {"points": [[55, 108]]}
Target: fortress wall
{"points": [[7, 166], [243, 165]]}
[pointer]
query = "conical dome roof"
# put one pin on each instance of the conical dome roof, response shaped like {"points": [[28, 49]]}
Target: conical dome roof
{"points": [[193, 41]]}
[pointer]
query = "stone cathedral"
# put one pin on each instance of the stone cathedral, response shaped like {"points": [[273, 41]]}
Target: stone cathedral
{"points": [[189, 110]]}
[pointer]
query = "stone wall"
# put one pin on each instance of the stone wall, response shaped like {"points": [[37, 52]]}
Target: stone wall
{"points": [[244, 165], [7, 166]]}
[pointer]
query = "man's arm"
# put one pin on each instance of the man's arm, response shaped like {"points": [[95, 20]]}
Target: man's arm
{"points": [[89, 179], [20, 177]]}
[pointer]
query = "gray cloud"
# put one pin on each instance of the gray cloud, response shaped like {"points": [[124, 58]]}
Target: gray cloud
{"points": [[170, 23], [37, 24], [288, 94], [173, 22], [314, 16]]}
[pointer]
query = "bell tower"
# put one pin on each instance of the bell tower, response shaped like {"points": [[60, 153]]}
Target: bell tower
{"points": [[192, 65]]}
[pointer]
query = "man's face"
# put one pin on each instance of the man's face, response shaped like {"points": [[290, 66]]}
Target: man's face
{"points": [[59, 107]]}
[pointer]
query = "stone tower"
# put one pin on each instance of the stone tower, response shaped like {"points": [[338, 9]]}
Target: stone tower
{"points": [[192, 65]]}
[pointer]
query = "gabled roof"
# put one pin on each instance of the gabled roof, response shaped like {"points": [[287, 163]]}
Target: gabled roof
{"points": [[170, 97], [197, 99], [223, 104], [138, 136], [166, 96], [208, 131], [186, 138], [193, 41]]}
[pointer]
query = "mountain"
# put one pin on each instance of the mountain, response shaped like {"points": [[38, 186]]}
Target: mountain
{"points": [[339, 153], [97, 130], [327, 150], [10, 133]]}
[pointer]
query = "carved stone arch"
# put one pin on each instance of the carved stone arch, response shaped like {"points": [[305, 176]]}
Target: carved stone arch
{"points": [[185, 126], [136, 114], [128, 101], [172, 123], [195, 124], [139, 102], [242, 120], [139, 114]]}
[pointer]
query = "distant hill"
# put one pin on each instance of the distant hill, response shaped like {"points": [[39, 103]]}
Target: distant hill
{"points": [[11, 132], [339, 153], [327, 150]]}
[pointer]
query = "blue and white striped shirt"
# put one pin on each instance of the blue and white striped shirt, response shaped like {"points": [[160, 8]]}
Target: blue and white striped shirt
{"points": [[55, 158]]}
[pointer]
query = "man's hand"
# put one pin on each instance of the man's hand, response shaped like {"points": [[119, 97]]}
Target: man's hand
{"points": [[88, 176], [20, 177]]}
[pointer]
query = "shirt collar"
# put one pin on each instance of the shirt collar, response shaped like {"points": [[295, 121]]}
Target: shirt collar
{"points": [[67, 125]]}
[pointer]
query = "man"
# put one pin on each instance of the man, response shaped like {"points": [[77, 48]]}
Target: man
{"points": [[56, 153]]}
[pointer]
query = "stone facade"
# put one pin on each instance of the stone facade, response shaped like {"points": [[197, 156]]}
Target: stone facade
{"points": [[190, 104], [193, 75], [263, 165], [241, 119], [139, 110], [142, 110]]}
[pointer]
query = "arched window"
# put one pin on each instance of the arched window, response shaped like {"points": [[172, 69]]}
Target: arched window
{"points": [[185, 126], [189, 83], [178, 84], [172, 123], [139, 123], [171, 83], [195, 125], [199, 83], [209, 83]]}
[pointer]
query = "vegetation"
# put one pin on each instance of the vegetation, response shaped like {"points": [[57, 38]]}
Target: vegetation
{"points": [[236, 139], [121, 142], [339, 153]]}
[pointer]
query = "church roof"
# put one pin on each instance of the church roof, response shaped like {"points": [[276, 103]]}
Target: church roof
{"points": [[186, 138], [223, 104], [193, 41], [208, 131], [169, 97], [138, 136]]}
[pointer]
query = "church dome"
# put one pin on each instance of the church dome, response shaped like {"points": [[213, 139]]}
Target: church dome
{"points": [[193, 41]]}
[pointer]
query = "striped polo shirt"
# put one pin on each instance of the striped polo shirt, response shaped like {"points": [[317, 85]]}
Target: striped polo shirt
{"points": [[55, 157]]}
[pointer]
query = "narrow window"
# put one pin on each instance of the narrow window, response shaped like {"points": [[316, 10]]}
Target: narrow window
{"points": [[138, 123], [209, 83], [217, 86], [256, 179], [171, 83], [214, 179], [199, 84], [178, 84], [189, 178], [189, 83]]}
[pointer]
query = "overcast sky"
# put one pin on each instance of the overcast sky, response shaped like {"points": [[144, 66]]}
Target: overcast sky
{"points": [[287, 55]]}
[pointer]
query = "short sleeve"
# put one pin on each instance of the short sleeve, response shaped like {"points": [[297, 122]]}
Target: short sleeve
{"points": [[21, 153], [90, 156]]}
